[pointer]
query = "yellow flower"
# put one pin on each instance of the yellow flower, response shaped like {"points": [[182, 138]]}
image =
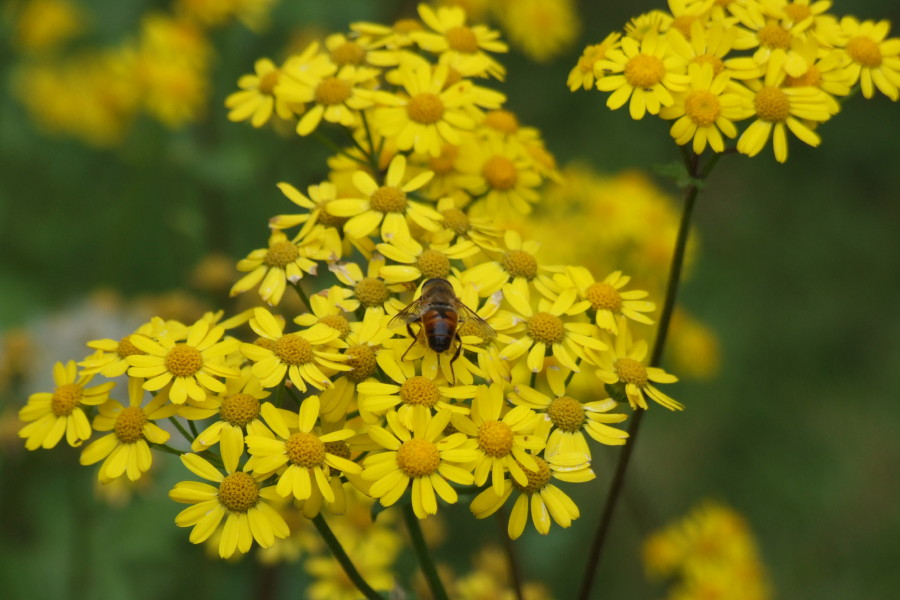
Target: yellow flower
{"points": [[420, 262], [543, 30], [621, 365], [256, 100], [874, 61], [519, 261], [274, 266], [582, 74], [430, 114], [482, 231], [392, 37], [190, 366], [608, 299], [299, 355], [110, 358], [238, 499], [329, 307], [335, 93], [553, 329], [238, 410], [386, 205], [46, 24], [546, 501], [779, 109], [125, 449], [459, 46], [49, 416], [501, 174], [647, 72], [421, 455], [312, 458]]}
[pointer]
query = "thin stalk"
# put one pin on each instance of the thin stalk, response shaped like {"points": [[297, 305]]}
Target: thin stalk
{"points": [[615, 488], [515, 576], [302, 294], [339, 555], [422, 555], [190, 438]]}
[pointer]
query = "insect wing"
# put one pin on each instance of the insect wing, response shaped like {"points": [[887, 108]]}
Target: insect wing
{"points": [[410, 314], [467, 315]]}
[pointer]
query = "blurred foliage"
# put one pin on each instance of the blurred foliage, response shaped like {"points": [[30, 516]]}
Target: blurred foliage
{"points": [[797, 275]]}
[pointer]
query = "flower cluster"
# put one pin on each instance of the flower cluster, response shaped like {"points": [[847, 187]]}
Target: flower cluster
{"points": [[783, 65]]}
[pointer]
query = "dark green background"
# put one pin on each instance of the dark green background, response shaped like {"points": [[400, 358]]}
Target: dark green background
{"points": [[799, 275]]}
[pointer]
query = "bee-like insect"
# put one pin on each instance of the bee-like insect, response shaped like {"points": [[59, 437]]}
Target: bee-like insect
{"points": [[439, 314]]}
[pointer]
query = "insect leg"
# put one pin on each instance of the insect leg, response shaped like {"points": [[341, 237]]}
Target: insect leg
{"points": [[415, 338]]}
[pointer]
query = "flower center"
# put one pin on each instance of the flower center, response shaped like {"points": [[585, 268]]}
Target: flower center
{"points": [[407, 26], [293, 349], [183, 360], [644, 71], [129, 425], [631, 371], [603, 296], [774, 36], [126, 348], [500, 173], [462, 39], [502, 121], [362, 358], [348, 53], [65, 399], [683, 24], [339, 448], [265, 343], [567, 413], [238, 492], [797, 12], [268, 82], [332, 90], [710, 59], [239, 409], [418, 458], [337, 322], [519, 263], [388, 199], [305, 450], [772, 104], [702, 107], [864, 51], [456, 220], [443, 163], [536, 479], [329, 220], [546, 328], [420, 391], [425, 108], [433, 264], [495, 438], [281, 254], [371, 292], [812, 78]]}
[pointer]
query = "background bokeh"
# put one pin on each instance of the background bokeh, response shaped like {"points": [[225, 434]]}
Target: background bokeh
{"points": [[798, 273]]}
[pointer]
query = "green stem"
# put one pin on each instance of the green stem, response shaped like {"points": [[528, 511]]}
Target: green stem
{"points": [[168, 449], [190, 438], [515, 576], [674, 278], [302, 294], [424, 557], [337, 149], [373, 157], [341, 556]]}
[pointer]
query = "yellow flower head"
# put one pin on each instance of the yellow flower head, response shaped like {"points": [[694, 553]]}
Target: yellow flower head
{"points": [[874, 61], [582, 74], [256, 100], [282, 262], [459, 46]]}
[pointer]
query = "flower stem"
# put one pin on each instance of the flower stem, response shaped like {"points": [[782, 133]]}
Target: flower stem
{"points": [[302, 295], [338, 552], [692, 163], [515, 576], [187, 436], [422, 554]]}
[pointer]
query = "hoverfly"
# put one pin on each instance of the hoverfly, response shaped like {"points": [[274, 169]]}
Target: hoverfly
{"points": [[439, 314]]}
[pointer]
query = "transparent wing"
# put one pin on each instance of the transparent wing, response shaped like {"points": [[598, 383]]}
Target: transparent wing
{"points": [[410, 314], [480, 326]]}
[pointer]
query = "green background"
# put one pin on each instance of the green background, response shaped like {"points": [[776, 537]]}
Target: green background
{"points": [[799, 275]]}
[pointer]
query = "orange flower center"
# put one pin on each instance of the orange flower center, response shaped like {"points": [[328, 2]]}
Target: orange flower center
{"points": [[332, 90], [337, 322], [495, 438], [502, 121], [864, 51], [546, 328], [238, 492], [268, 82], [425, 108], [631, 371], [456, 221], [65, 399], [305, 450], [433, 264], [388, 199], [774, 36], [418, 458], [371, 292], [281, 254], [702, 107], [709, 59], [500, 173], [604, 296], [644, 71], [293, 349], [362, 358], [183, 360], [126, 348], [129, 425], [536, 479], [419, 391], [519, 263], [567, 413], [348, 53], [462, 39], [772, 104], [239, 409]]}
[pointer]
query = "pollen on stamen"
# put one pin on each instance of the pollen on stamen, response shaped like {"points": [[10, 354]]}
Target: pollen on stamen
{"points": [[644, 71], [546, 328], [332, 90], [362, 359], [419, 391], [495, 438], [500, 173], [519, 263], [293, 349], [129, 426], [567, 413], [864, 51], [774, 36], [239, 409], [388, 199], [305, 450], [183, 360], [772, 104], [127, 348], [66, 398], [238, 492], [433, 264], [629, 370], [418, 458], [462, 39], [702, 107], [371, 291], [603, 296], [281, 254], [425, 108], [536, 479]]}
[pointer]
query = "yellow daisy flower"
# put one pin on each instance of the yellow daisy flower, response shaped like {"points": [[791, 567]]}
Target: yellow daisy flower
{"points": [[779, 109], [569, 419], [421, 455], [109, 359], [461, 47], [582, 74], [542, 30], [271, 268], [333, 93], [501, 175], [343, 50], [309, 456], [540, 498], [518, 261], [482, 231], [125, 450], [506, 438], [238, 411], [621, 365], [300, 355], [392, 37], [553, 329], [647, 72], [386, 205], [256, 100], [608, 299], [50, 415], [430, 114], [190, 366], [316, 214], [874, 61], [821, 68], [420, 262], [237, 498], [370, 289]]}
